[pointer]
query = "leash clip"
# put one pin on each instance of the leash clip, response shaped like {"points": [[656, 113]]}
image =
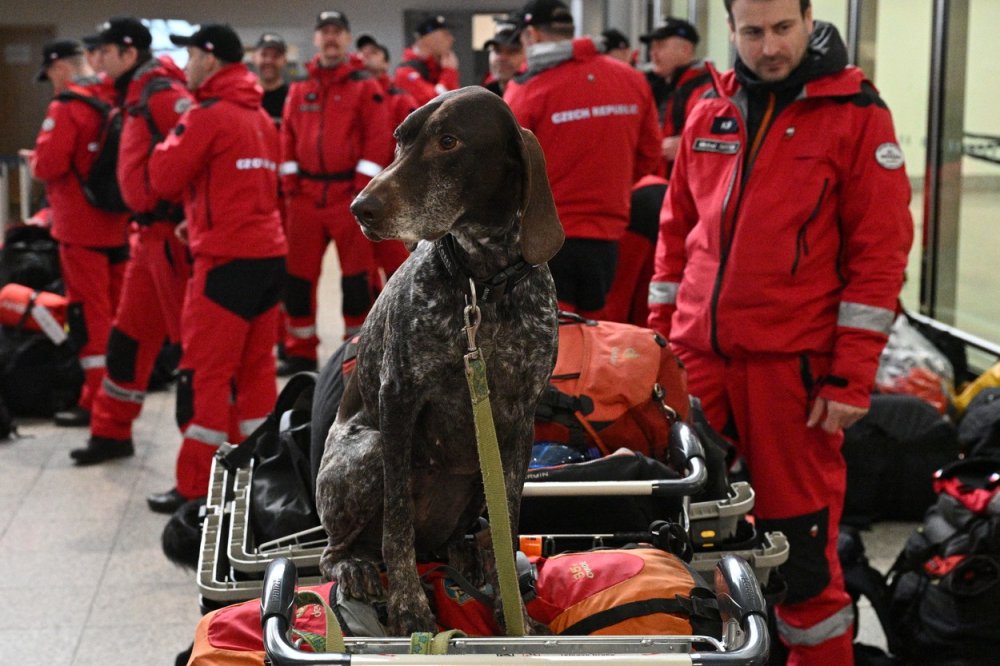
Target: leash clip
{"points": [[473, 317]]}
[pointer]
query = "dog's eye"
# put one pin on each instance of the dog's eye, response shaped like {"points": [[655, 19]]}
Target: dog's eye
{"points": [[447, 142]]}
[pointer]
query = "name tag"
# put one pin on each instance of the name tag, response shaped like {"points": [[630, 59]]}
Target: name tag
{"points": [[716, 146]]}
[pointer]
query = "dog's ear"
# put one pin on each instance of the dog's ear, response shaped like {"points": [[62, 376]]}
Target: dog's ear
{"points": [[541, 231]]}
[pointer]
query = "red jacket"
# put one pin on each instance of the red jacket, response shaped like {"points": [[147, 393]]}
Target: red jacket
{"points": [[336, 123], [222, 158], [167, 98], [424, 77], [596, 121], [65, 149], [401, 103], [692, 82], [803, 254]]}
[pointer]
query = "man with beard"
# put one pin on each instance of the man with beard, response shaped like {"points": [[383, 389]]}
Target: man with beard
{"points": [[783, 240], [153, 96], [335, 136]]}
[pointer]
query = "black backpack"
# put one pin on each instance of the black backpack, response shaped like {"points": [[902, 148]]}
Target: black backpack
{"points": [[30, 257], [945, 584], [37, 376], [100, 185]]}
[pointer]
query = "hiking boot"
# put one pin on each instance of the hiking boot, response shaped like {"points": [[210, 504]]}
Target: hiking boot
{"points": [[294, 364], [73, 417], [167, 502], [99, 449]]}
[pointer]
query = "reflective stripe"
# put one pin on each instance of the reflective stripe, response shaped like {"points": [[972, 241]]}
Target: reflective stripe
{"points": [[91, 362], [302, 332], [122, 393], [205, 435], [440, 89], [833, 626], [288, 168], [249, 425], [368, 168], [663, 293], [866, 317]]}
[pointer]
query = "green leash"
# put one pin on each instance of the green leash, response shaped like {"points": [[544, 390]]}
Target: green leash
{"points": [[493, 479]]}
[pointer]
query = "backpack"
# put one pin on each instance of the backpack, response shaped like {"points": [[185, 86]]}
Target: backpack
{"points": [[614, 385], [944, 585], [100, 185], [37, 376], [30, 256]]}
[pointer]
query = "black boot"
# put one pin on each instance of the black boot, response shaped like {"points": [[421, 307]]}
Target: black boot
{"points": [[99, 449], [167, 502]]}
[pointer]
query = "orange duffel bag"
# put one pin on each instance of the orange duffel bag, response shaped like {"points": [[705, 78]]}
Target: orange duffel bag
{"points": [[40, 311]]}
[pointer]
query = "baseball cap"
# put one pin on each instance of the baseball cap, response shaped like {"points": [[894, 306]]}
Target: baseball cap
{"points": [[505, 33], [542, 12], [123, 31], [430, 24], [365, 40], [332, 18], [272, 40], [614, 39], [216, 38], [673, 27], [63, 48]]}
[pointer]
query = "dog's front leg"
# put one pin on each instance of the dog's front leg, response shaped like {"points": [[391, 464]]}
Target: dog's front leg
{"points": [[407, 605]]}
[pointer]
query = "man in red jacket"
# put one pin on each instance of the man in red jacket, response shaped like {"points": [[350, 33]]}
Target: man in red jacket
{"points": [[335, 136], [595, 119], [429, 66], [222, 158], [154, 97], [783, 240], [671, 52], [93, 249]]}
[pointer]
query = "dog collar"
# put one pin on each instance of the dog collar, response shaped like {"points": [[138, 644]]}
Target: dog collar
{"points": [[493, 287]]}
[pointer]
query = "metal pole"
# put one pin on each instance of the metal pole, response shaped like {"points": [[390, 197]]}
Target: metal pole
{"points": [[4, 196], [24, 183]]}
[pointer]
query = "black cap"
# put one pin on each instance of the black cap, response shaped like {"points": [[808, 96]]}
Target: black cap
{"points": [[543, 12], [506, 32], [614, 39], [272, 40], [430, 24], [365, 40], [332, 18], [674, 27], [123, 31], [90, 42], [216, 38], [64, 48]]}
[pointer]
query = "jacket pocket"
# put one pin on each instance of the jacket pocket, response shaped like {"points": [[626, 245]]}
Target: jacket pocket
{"points": [[801, 237]]}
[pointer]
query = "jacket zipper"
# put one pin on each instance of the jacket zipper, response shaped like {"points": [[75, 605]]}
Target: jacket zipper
{"points": [[319, 140], [801, 243]]}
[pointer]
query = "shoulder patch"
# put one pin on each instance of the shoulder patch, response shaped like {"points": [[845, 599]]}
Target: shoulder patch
{"points": [[48, 124], [182, 104], [889, 156], [413, 76]]}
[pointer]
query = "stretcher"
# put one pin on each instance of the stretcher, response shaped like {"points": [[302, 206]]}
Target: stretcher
{"points": [[745, 639]]}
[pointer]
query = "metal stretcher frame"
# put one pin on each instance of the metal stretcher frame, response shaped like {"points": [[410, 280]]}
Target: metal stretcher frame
{"points": [[741, 605]]}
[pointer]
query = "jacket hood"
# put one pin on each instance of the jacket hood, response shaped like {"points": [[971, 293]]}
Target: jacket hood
{"points": [[825, 55], [233, 83]]}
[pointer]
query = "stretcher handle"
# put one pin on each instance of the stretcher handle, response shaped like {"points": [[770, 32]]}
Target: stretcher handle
{"points": [[277, 603], [740, 599], [685, 453]]}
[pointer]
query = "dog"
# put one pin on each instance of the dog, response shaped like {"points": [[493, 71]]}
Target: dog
{"points": [[400, 472]]}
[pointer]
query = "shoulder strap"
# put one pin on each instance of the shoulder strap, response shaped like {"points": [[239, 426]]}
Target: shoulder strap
{"points": [[680, 100], [418, 65], [153, 86], [104, 108]]}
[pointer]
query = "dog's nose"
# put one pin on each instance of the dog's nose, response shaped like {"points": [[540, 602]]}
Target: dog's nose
{"points": [[367, 209]]}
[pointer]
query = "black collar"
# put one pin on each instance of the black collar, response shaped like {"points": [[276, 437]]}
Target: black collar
{"points": [[487, 290]]}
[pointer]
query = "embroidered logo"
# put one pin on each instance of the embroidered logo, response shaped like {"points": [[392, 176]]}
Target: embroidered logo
{"points": [[48, 124], [724, 125], [182, 104], [715, 146], [889, 156]]}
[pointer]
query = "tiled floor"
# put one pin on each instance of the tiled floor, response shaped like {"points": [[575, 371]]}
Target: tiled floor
{"points": [[82, 578]]}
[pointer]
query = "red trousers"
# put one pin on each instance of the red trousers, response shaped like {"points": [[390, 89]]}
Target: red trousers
{"points": [[226, 384], [799, 477], [93, 280], [627, 301], [318, 213], [149, 313]]}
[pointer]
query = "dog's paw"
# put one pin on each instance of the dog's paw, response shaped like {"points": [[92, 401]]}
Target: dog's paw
{"points": [[358, 578], [408, 616]]}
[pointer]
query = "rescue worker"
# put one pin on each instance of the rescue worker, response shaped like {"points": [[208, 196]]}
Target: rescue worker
{"points": [[335, 136], [671, 52], [153, 97], [506, 55], [595, 119], [93, 244], [270, 58], [222, 159], [783, 240], [617, 46], [429, 67]]}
